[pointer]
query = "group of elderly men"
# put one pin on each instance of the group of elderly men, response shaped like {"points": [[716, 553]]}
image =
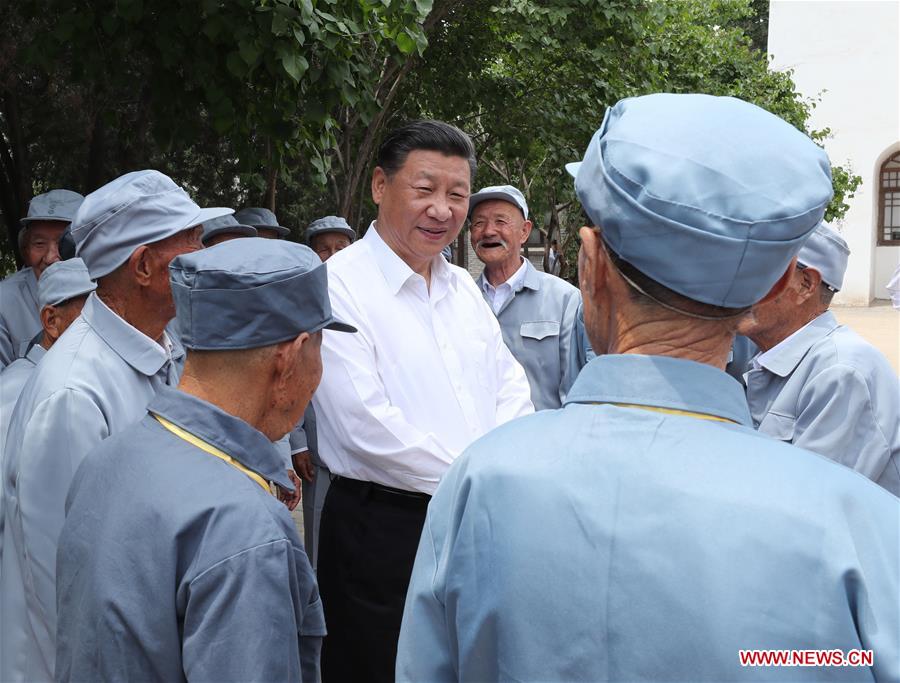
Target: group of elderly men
{"points": [[649, 521]]}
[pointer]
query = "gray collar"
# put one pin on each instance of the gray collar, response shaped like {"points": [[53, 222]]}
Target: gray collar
{"points": [[661, 382], [133, 346], [226, 432], [783, 358]]}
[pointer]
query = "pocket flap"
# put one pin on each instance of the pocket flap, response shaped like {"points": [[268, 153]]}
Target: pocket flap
{"points": [[540, 329]]}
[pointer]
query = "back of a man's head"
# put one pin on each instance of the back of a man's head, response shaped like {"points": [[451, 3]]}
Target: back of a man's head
{"points": [[701, 202]]}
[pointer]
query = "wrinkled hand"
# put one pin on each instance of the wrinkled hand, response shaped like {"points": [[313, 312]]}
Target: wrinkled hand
{"points": [[291, 500], [303, 465]]}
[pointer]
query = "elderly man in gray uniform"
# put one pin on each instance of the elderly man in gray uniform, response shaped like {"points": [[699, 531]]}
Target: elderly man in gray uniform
{"points": [[62, 291], [265, 222], [184, 497], [48, 216], [816, 383], [646, 531], [223, 229], [325, 236], [537, 312], [92, 383]]}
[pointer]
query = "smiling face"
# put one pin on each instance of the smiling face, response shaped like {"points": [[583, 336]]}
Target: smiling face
{"points": [[498, 232], [422, 207], [327, 244], [41, 245]]}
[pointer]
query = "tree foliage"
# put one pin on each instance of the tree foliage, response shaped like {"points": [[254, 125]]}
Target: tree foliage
{"points": [[283, 102]]}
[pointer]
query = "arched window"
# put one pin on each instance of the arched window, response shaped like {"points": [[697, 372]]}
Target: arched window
{"points": [[889, 202]]}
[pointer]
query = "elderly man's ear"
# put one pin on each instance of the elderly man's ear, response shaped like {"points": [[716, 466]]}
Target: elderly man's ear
{"points": [[593, 262]]}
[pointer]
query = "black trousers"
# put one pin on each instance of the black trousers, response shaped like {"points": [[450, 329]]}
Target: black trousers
{"points": [[367, 545]]}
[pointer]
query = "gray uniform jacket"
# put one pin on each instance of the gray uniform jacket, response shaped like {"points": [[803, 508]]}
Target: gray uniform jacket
{"points": [[20, 318], [12, 380], [609, 541], [95, 380], [538, 326], [176, 565], [830, 391], [304, 438]]}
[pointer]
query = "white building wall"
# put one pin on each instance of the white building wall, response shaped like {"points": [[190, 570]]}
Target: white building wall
{"points": [[848, 53]]}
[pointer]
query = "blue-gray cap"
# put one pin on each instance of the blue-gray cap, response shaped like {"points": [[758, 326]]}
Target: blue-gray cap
{"points": [[64, 280], [249, 293], [710, 196], [137, 208], [507, 193], [261, 218], [55, 205], [329, 224], [225, 225], [827, 252]]}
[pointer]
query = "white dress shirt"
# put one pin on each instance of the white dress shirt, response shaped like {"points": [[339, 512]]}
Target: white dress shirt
{"points": [[426, 375], [499, 295]]}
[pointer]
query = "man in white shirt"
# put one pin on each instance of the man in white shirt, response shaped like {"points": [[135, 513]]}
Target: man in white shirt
{"points": [[428, 374]]}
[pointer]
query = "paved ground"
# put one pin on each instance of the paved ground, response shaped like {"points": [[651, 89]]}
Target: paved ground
{"points": [[878, 324]]}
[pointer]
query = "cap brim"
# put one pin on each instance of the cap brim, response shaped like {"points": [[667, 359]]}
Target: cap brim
{"points": [[572, 168], [338, 326], [479, 197], [210, 213], [34, 219], [245, 230]]}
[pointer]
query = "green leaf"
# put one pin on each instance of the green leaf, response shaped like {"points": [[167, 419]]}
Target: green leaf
{"points": [[249, 52], [405, 43], [295, 65]]}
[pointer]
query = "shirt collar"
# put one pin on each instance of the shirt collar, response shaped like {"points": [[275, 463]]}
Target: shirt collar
{"points": [[661, 382], [132, 345], [226, 432], [515, 282], [397, 272], [784, 357]]}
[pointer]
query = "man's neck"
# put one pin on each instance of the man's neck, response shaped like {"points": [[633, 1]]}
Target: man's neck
{"points": [[768, 339], [140, 317], [499, 273], [417, 265]]}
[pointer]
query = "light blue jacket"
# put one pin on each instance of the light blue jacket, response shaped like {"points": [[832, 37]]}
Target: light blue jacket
{"points": [[95, 380], [828, 390], [175, 565], [20, 318], [12, 380], [538, 325], [606, 542]]}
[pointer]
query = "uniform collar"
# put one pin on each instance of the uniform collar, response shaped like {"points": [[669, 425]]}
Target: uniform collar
{"points": [[35, 353], [133, 346], [28, 283], [397, 272], [226, 432], [525, 276], [661, 382], [784, 357]]}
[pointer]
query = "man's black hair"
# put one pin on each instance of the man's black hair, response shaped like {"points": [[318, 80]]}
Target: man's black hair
{"points": [[429, 135]]}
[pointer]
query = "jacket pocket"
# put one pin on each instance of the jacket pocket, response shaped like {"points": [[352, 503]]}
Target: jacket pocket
{"points": [[539, 329]]}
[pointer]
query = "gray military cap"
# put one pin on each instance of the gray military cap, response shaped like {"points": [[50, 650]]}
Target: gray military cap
{"points": [[225, 225], [827, 252], [64, 280], [248, 293], [507, 193], [710, 196], [261, 218], [329, 224], [137, 208], [55, 205]]}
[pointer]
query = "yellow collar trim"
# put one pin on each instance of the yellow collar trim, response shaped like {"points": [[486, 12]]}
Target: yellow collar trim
{"points": [[212, 450], [674, 411]]}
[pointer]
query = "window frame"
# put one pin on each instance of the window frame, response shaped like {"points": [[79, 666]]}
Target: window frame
{"points": [[882, 191]]}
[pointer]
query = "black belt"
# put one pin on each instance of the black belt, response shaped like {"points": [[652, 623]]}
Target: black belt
{"points": [[387, 494]]}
